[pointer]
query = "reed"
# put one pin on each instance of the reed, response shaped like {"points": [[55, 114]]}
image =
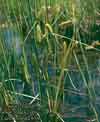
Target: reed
{"points": [[39, 39]]}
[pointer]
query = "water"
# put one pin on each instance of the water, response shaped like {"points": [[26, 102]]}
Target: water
{"points": [[12, 40], [76, 104], [77, 97]]}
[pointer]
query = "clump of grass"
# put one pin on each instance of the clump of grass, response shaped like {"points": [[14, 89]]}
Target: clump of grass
{"points": [[46, 52]]}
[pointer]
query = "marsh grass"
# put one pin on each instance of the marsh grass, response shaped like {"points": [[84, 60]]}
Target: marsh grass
{"points": [[45, 54]]}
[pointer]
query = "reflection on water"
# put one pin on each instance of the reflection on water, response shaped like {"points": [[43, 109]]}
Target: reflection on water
{"points": [[12, 40]]}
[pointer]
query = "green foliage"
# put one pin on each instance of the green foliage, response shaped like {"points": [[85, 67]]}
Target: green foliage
{"points": [[45, 52]]}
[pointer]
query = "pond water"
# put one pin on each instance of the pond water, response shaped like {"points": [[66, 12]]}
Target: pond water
{"points": [[77, 101], [76, 104], [12, 40]]}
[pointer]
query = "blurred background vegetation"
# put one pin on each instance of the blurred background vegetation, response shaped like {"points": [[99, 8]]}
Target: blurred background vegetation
{"points": [[50, 58]]}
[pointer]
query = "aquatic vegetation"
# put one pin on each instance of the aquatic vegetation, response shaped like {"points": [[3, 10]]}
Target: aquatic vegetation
{"points": [[46, 59]]}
